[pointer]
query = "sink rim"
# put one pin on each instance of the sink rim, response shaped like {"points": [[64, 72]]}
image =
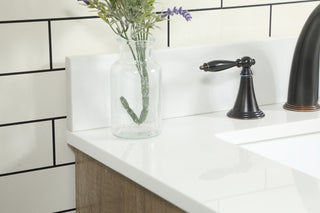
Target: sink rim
{"points": [[271, 132]]}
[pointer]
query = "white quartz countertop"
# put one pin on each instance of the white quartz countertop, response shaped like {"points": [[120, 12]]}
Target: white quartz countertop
{"points": [[198, 164]]}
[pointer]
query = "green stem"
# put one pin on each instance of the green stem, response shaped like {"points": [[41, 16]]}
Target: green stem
{"points": [[144, 80], [145, 94]]}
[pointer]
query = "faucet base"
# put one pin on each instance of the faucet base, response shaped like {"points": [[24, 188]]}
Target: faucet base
{"points": [[245, 115], [301, 108]]}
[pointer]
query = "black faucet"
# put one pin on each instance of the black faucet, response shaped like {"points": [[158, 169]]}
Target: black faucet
{"points": [[304, 77], [246, 106]]}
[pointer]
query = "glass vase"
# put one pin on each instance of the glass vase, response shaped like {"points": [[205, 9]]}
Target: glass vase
{"points": [[135, 92]]}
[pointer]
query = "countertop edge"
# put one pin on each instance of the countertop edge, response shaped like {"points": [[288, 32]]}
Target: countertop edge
{"points": [[150, 183]]}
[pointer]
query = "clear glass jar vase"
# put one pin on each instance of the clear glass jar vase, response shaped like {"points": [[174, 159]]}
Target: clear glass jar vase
{"points": [[135, 92]]}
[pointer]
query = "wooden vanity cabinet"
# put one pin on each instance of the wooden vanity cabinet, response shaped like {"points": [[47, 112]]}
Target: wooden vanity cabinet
{"points": [[100, 189]]}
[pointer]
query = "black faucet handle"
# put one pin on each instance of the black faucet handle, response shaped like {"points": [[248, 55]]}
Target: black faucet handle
{"points": [[219, 65]]}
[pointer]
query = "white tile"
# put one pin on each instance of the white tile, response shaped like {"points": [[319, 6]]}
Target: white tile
{"points": [[163, 5], [91, 36], [64, 153], [24, 46], [25, 146], [160, 35], [42, 191], [230, 3], [288, 20], [220, 25], [79, 37], [37, 9], [32, 96]]}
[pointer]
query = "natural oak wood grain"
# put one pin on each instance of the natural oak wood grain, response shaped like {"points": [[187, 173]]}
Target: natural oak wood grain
{"points": [[99, 189]]}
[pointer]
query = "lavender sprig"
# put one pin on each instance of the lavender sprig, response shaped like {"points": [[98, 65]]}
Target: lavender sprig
{"points": [[133, 20], [179, 11]]}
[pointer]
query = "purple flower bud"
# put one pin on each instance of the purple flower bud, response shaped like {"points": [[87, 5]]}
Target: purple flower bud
{"points": [[170, 12], [85, 1], [179, 11], [175, 10], [164, 15]]}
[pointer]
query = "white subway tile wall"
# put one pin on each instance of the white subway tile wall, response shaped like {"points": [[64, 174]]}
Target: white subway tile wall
{"points": [[42, 191], [17, 41], [42, 9], [64, 152], [36, 164], [89, 36], [25, 146], [78, 37], [284, 14], [32, 96], [223, 25]]}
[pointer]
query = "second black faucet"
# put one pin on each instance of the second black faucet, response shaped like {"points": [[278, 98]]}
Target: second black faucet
{"points": [[246, 106]]}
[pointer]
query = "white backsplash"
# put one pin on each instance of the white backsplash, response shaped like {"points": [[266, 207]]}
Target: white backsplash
{"points": [[186, 89]]}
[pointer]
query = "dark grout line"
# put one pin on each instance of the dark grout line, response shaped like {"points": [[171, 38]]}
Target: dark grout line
{"points": [[36, 169], [293, 2], [205, 9], [227, 8], [47, 19], [270, 21], [53, 144], [50, 44], [33, 121], [269, 4], [161, 12], [73, 18], [168, 31], [67, 210], [32, 71], [247, 6]]}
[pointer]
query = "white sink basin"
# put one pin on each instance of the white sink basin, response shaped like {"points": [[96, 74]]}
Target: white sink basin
{"points": [[299, 152], [296, 144], [277, 131]]}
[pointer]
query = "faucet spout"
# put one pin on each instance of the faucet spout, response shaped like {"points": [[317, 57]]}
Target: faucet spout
{"points": [[304, 76]]}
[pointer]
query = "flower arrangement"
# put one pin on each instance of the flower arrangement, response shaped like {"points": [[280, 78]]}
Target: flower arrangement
{"points": [[133, 20]]}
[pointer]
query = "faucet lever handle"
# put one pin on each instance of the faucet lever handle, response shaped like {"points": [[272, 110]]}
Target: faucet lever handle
{"points": [[219, 65]]}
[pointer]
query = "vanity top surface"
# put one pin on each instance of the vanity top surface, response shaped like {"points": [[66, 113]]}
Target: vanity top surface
{"points": [[198, 164]]}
